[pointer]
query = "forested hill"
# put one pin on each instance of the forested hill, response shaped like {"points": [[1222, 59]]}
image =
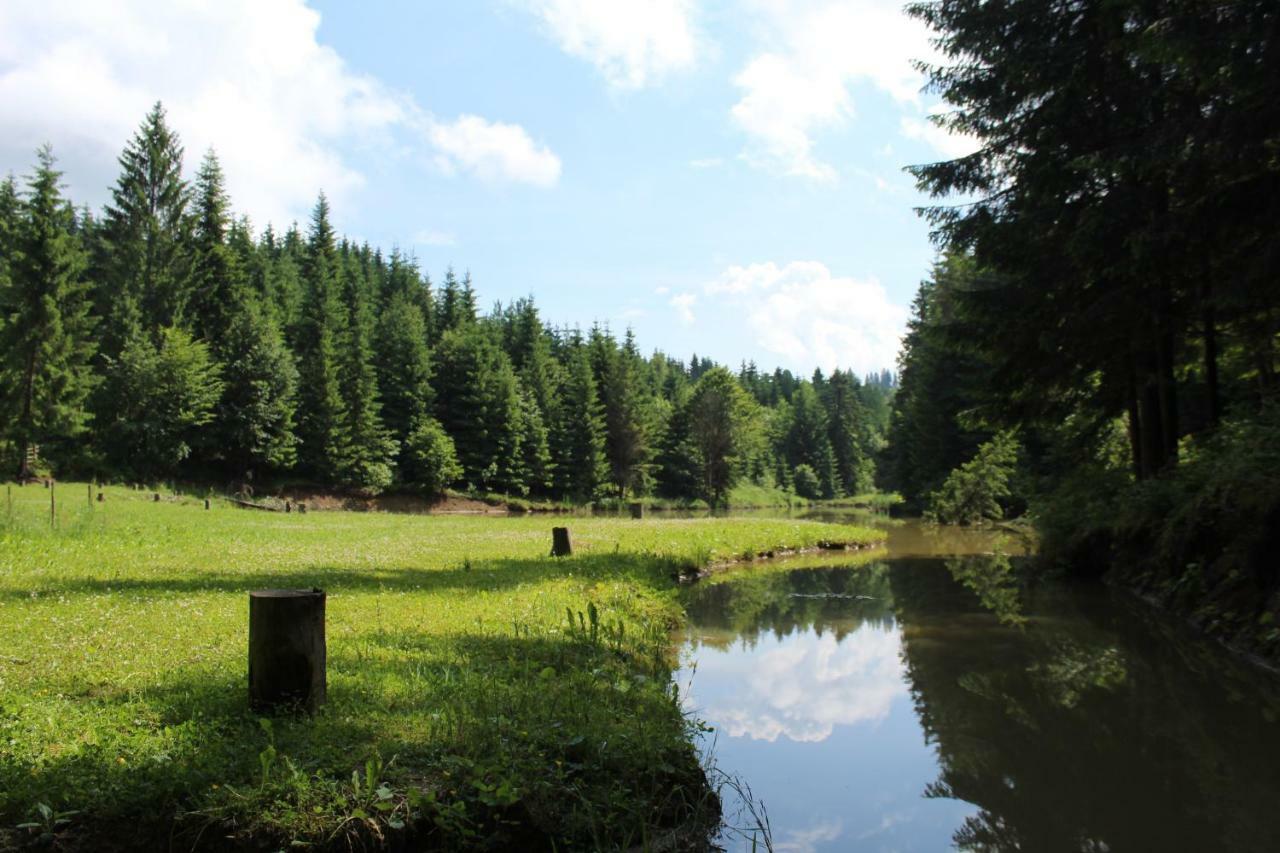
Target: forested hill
{"points": [[163, 339]]}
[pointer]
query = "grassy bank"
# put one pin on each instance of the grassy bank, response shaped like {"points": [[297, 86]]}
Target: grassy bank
{"points": [[480, 692]]}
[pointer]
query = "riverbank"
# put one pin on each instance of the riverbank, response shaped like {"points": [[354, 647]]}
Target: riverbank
{"points": [[480, 692]]}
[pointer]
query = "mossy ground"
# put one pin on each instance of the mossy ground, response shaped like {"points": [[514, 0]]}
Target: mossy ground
{"points": [[480, 692]]}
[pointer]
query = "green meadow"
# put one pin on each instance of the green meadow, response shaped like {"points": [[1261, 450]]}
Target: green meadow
{"points": [[480, 692]]}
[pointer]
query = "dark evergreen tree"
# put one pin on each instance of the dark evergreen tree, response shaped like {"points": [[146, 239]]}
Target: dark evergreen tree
{"points": [[146, 281], [322, 414], [578, 433], [255, 416], [370, 451], [45, 375]]}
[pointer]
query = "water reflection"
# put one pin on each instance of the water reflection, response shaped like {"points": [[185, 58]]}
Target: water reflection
{"points": [[922, 703]]}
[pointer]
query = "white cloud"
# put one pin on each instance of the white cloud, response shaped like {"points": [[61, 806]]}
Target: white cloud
{"points": [[246, 77], [807, 316], [683, 303], [707, 163], [432, 237], [809, 840], [800, 83], [806, 686], [950, 145], [493, 151], [633, 43]]}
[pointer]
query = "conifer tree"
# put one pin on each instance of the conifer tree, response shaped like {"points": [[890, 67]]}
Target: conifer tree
{"points": [[403, 364], [47, 347], [370, 451], [256, 412], [626, 429], [478, 404], [146, 283], [219, 288], [577, 436], [322, 415], [720, 423], [849, 434]]}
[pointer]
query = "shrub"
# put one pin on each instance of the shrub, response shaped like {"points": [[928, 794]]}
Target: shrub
{"points": [[806, 482], [431, 459]]}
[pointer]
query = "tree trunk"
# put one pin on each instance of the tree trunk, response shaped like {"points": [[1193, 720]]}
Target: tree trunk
{"points": [[286, 649], [1210, 335], [560, 546]]}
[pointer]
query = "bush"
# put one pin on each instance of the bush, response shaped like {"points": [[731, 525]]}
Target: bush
{"points": [[430, 457], [973, 492], [806, 482]]}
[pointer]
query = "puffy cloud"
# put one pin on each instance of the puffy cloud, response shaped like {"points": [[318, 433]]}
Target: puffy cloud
{"points": [[493, 151], [814, 52], [631, 42], [808, 316], [247, 77], [804, 687]]}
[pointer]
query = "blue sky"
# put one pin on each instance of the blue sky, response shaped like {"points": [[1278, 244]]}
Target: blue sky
{"points": [[724, 176]]}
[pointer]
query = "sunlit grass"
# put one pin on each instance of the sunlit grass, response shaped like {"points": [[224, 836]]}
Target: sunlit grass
{"points": [[472, 710]]}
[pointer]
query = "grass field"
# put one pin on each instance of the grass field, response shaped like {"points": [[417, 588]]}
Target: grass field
{"points": [[481, 693]]}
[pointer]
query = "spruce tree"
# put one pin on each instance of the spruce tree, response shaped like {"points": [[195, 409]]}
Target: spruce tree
{"points": [[146, 283], [626, 427], [219, 287], [256, 413], [370, 451], [322, 414], [577, 433], [403, 364], [47, 344]]}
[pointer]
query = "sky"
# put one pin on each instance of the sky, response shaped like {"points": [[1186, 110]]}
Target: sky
{"points": [[724, 177]]}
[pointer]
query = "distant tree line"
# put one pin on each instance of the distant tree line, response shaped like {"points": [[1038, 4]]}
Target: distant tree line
{"points": [[163, 338]]}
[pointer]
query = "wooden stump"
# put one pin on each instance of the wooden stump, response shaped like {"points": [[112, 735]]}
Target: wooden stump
{"points": [[302, 508], [288, 507], [155, 498], [101, 498], [560, 546], [286, 649], [206, 503], [637, 510]]}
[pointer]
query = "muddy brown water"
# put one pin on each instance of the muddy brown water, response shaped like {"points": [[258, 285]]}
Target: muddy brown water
{"points": [[928, 697]]}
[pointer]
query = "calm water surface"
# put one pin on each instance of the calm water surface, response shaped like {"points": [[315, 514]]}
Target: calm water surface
{"points": [[923, 698]]}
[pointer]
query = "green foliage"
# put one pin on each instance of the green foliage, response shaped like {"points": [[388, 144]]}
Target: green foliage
{"points": [[255, 414], [164, 393], [972, 493], [45, 343], [721, 430], [430, 460], [806, 483], [534, 411]]}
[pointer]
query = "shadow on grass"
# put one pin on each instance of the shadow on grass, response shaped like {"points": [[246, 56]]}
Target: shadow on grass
{"points": [[577, 726], [489, 575]]}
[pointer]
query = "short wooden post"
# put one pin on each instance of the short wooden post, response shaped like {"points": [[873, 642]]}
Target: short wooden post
{"points": [[155, 498], [288, 507], [302, 508], [53, 504], [206, 503], [101, 498], [286, 649], [88, 494], [637, 509], [560, 546]]}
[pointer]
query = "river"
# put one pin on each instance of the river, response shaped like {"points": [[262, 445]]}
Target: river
{"points": [[929, 697]]}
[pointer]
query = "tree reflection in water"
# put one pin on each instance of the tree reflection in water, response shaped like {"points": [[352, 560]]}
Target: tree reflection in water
{"points": [[1072, 718]]}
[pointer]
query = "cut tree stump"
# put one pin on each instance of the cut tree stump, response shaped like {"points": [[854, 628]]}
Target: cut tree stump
{"points": [[560, 546], [286, 649], [637, 510]]}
